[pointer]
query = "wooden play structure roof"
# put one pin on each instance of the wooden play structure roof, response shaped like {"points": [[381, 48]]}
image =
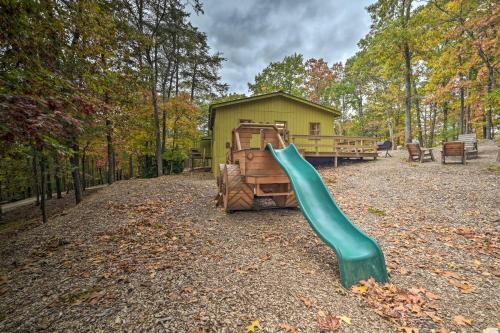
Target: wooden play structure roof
{"points": [[213, 107]]}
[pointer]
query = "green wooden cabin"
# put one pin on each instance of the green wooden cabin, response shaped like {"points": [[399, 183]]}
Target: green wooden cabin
{"points": [[297, 115]]}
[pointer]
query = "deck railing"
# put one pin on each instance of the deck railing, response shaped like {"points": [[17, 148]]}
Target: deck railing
{"points": [[335, 145]]}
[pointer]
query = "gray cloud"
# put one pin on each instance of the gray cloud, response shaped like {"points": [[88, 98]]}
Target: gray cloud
{"points": [[252, 33]]}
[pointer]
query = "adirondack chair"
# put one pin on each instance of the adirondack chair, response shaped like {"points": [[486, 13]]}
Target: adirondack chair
{"points": [[385, 145], [415, 153], [470, 141], [453, 148]]}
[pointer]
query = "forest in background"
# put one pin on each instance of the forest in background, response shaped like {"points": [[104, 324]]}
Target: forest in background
{"points": [[97, 91], [425, 71]]}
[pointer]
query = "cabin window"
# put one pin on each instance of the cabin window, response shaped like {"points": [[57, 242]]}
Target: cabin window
{"points": [[245, 121], [313, 128]]}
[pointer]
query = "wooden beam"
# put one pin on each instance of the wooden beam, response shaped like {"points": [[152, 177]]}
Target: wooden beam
{"points": [[282, 143], [238, 142], [262, 139]]}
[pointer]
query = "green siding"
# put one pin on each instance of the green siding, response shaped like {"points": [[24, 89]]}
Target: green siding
{"points": [[275, 108]]}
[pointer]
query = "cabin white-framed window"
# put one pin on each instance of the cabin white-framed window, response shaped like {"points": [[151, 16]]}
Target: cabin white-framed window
{"points": [[314, 129]]}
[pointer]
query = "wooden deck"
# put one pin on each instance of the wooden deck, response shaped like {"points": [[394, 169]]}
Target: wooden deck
{"points": [[335, 146], [198, 159]]}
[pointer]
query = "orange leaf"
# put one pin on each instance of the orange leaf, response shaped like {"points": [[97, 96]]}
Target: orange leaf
{"points": [[462, 321], [288, 328], [327, 321], [359, 289], [307, 302]]}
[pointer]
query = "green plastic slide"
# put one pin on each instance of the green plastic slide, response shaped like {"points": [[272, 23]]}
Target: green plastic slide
{"points": [[359, 256]]}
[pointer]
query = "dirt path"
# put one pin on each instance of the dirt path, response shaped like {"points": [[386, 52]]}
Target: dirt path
{"points": [[155, 255], [25, 202]]}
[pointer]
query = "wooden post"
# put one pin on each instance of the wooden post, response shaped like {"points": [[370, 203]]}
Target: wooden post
{"points": [[262, 139], [336, 159], [238, 142], [280, 139]]}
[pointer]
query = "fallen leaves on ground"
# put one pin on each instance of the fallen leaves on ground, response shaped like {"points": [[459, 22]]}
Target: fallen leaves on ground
{"points": [[462, 285], [462, 321], [410, 329], [440, 330], [457, 281], [360, 288], [397, 304], [327, 322], [288, 328], [307, 302]]}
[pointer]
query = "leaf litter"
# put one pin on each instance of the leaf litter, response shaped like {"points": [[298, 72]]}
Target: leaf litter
{"points": [[155, 255]]}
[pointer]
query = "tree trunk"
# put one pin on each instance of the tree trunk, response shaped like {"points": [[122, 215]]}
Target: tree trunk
{"points": [[101, 178], [424, 122], [193, 80], [1, 197], [35, 178], [130, 167], [75, 172], [177, 79], [111, 153], [156, 117], [469, 121], [445, 121], [397, 123], [92, 172], [49, 180], [485, 130], [489, 117], [166, 97], [462, 110], [58, 177], [84, 169], [418, 112], [359, 99], [407, 92], [390, 129], [43, 176], [163, 129], [488, 129], [433, 125]]}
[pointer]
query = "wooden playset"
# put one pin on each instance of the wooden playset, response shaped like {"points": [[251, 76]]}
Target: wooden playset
{"points": [[251, 171]]}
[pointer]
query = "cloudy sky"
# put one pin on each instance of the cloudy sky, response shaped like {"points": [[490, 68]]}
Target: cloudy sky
{"points": [[252, 33]]}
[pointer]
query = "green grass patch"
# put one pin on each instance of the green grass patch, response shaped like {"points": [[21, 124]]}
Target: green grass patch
{"points": [[82, 296], [16, 224], [330, 181], [376, 211], [495, 167]]}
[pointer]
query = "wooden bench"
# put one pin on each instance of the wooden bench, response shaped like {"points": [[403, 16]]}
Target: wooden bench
{"points": [[470, 142], [453, 148], [415, 153]]}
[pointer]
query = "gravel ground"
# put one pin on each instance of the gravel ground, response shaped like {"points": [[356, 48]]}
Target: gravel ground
{"points": [[155, 255]]}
